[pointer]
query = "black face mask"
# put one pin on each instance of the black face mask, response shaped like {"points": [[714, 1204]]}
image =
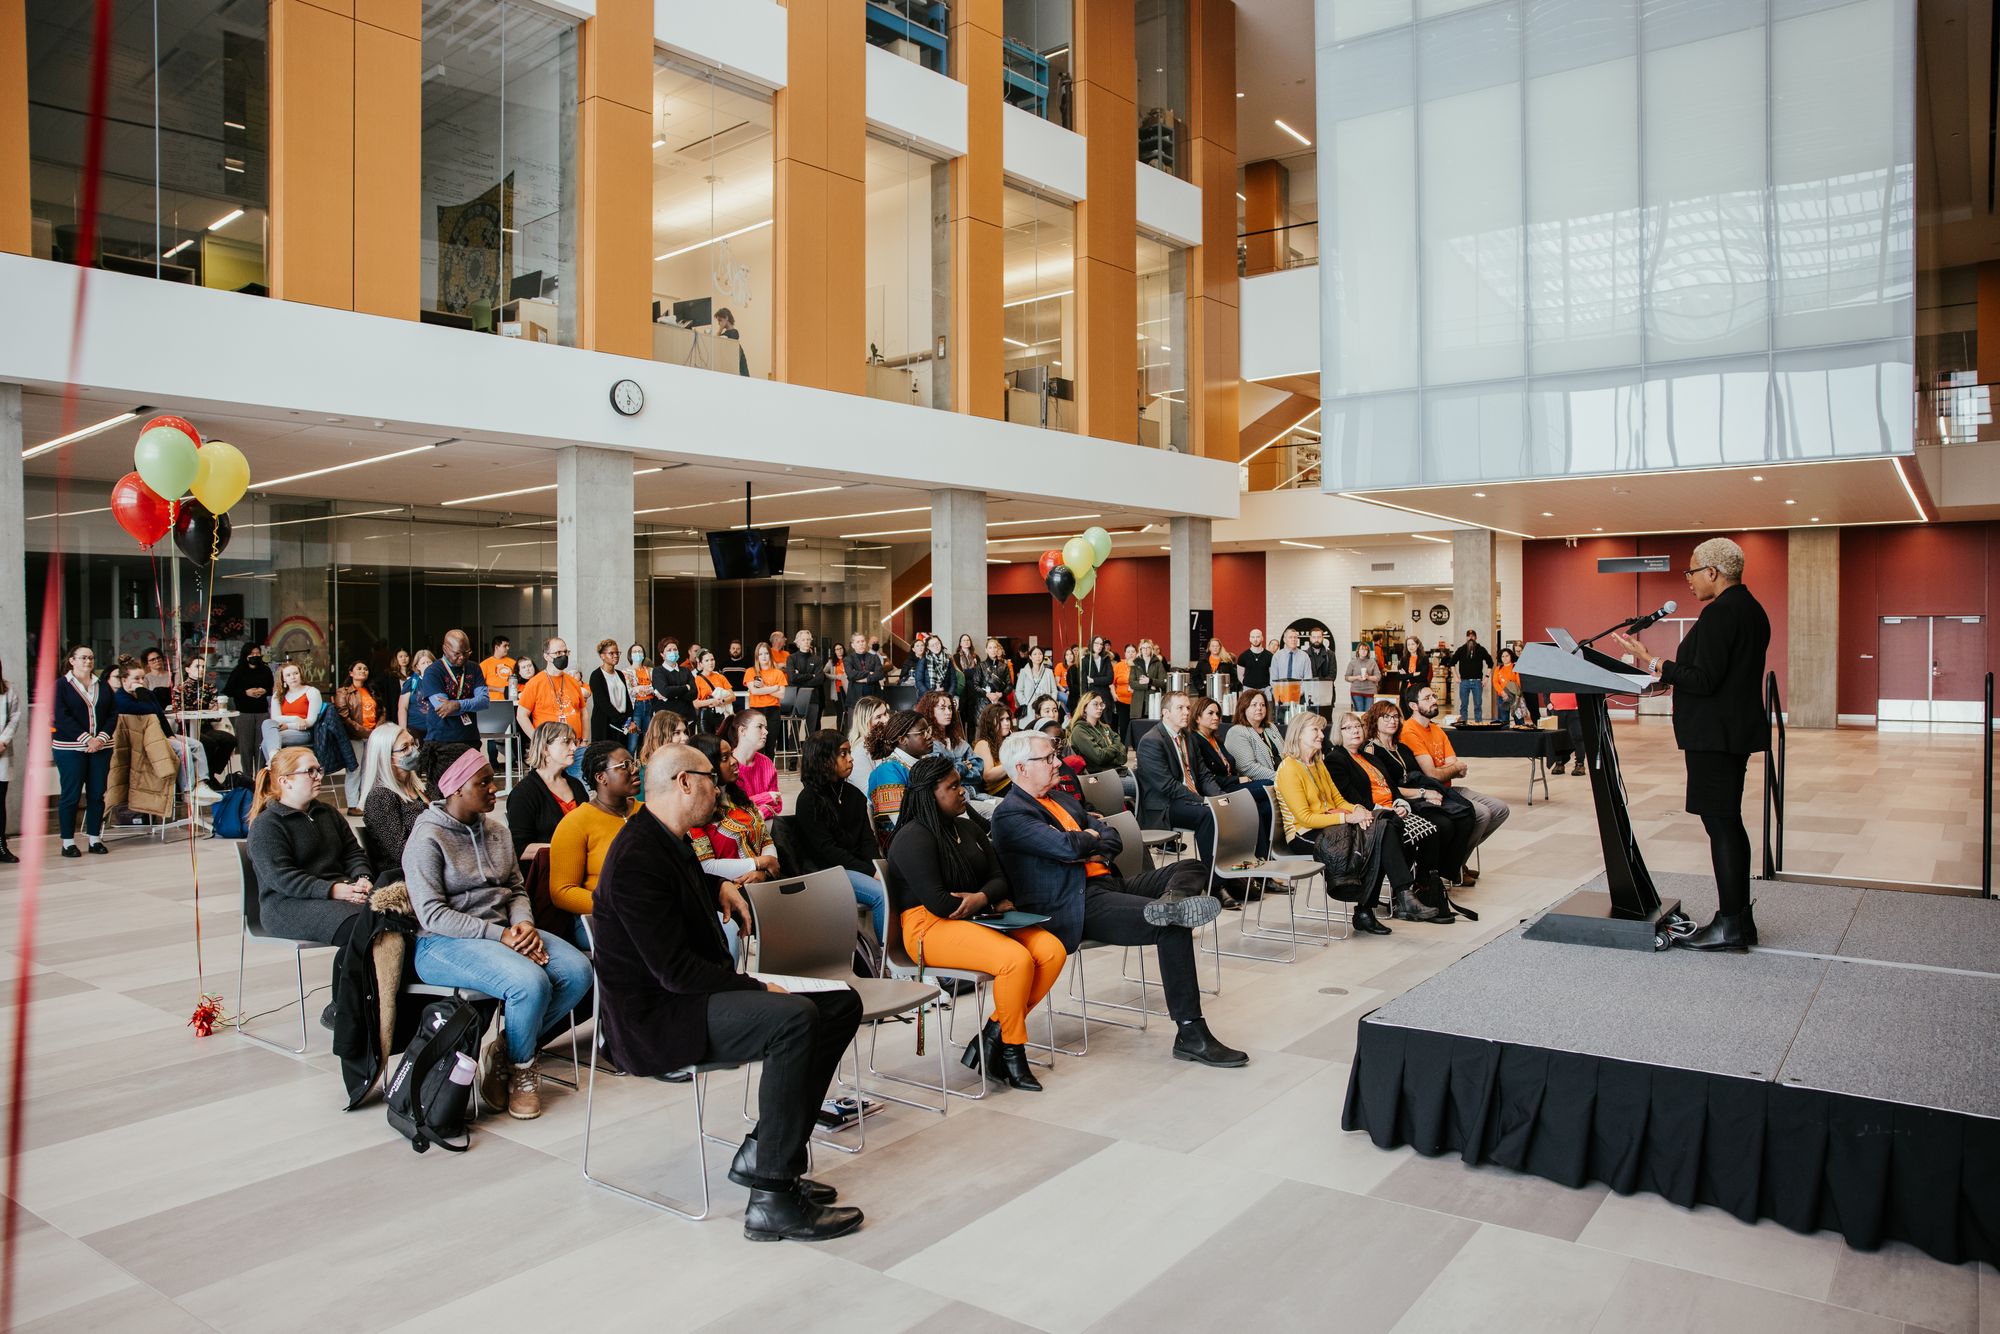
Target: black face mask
{"points": [[560, 662], [254, 660]]}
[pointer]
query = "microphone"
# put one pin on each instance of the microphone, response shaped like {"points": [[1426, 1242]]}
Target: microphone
{"points": [[1653, 617]]}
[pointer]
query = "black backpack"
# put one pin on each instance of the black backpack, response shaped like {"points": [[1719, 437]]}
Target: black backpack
{"points": [[426, 1103]]}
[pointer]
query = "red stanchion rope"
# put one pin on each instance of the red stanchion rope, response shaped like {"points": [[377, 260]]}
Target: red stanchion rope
{"points": [[41, 731]]}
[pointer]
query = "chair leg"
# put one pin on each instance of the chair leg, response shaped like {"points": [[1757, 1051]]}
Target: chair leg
{"points": [[701, 1140], [827, 1137], [299, 965], [944, 1042]]}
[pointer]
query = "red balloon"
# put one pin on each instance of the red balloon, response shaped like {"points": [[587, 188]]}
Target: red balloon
{"points": [[181, 424], [140, 511], [1050, 559]]}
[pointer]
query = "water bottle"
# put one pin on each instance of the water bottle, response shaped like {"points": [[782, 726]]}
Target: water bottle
{"points": [[463, 1070]]}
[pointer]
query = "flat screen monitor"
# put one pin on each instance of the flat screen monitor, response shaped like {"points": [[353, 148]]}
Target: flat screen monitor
{"points": [[527, 287], [694, 314], [748, 553]]}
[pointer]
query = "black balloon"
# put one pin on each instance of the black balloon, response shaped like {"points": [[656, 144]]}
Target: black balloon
{"points": [[1061, 583], [200, 535]]}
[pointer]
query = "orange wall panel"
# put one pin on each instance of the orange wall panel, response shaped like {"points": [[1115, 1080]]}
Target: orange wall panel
{"points": [[977, 355], [1105, 50], [846, 73], [844, 327], [977, 189], [801, 106], [1212, 71], [1263, 192], [402, 17], [799, 259], [615, 55], [614, 228], [1986, 320], [16, 227], [312, 155], [1107, 381], [388, 101], [1216, 329]]}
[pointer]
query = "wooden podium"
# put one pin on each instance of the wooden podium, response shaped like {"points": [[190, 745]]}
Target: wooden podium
{"points": [[1631, 915]]}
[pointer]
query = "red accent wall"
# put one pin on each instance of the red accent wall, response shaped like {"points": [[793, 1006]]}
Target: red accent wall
{"points": [[1945, 569], [1132, 600], [1560, 586]]}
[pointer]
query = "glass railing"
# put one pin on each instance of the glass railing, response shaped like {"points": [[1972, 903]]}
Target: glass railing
{"points": [[1960, 412], [1290, 247]]}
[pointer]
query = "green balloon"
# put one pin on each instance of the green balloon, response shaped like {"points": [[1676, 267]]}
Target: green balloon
{"points": [[1086, 584], [1079, 557], [165, 460], [1100, 543]]}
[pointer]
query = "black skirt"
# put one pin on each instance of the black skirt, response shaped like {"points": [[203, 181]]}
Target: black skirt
{"points": [[1715, 782]]}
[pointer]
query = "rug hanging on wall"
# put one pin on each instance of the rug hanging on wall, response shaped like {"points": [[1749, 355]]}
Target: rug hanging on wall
{"points": [[475, 248]]}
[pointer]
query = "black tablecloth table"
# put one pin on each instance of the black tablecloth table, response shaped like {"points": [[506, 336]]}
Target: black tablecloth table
{"points": [[1540, 748]]}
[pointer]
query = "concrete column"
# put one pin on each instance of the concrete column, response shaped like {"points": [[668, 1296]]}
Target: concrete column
{"points": [[594, 560], [1475, 567], [1812, 628], [958, 565], [1190, 579], [13, 610]]}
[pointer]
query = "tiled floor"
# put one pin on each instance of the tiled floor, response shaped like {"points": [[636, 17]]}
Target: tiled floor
{"points": [[172, 1183]]}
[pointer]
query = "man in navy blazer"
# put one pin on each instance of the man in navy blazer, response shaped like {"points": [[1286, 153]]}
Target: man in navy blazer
{"points": [[1173, 778], [1060, 859]]}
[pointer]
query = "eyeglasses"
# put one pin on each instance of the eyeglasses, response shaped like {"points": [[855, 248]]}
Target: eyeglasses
{"points": [[1689, 574], [709, 774], [314, 772], [1050, 758]]}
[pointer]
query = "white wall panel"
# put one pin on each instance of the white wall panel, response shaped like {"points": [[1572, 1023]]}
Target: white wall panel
{"points": [[744, 37], [905, 100], [1280, 323], [1041, 154], [1168, 206]]}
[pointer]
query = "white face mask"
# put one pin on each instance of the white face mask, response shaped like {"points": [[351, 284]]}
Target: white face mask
{"points": [[637, 656]]}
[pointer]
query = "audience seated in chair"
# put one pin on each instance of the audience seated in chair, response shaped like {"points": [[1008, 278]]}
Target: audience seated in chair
{"points": [[576, 853], [546, 793], [671, 998], [396, 798], [1440, 762], [1060, 861], [747, 733], [899, 740], [1173, 780], [312, 875], [476, 926], [1092, 736], [1369, 780], [1398, 767], [833, 824], [942, 870]]}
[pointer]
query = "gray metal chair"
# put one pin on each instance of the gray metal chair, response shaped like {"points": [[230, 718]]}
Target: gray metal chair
{"points": [[1236, 859], [1103, 792], [805, 928], [253, 925], [702, 1137]]}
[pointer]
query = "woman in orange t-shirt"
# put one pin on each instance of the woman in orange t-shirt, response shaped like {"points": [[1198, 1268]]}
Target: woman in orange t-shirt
{"points": [[765, 681], [714, 697]]}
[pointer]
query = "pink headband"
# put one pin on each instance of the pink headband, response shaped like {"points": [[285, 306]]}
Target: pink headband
{"points": [[461, 771]]}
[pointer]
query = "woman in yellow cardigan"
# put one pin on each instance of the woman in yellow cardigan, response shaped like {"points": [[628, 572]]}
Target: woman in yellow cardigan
{"points": [[1308, 803], [583, 837]]}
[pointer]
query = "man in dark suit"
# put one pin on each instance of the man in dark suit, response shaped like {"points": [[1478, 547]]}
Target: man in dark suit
{"points": [[1172, 778], [1061, 860], [1717, 678], [803, 672], [865, 671], [669, 997], [1320, 654]]}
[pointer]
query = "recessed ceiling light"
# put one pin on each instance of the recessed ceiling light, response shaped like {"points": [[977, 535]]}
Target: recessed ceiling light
{"points": [[1947, 21], [1287, 542], [1815, 518], [1294, 133], [1756, 476], [83, 432], [1547, 515], [1791, 502], [225, 219], [1479, 495]]}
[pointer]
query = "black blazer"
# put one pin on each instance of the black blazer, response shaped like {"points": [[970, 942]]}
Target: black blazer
{"points": [[533, 812], [673, 690], [1718, 677], [1097, 674], [659, 949], [1161, 775], [607, 723]]}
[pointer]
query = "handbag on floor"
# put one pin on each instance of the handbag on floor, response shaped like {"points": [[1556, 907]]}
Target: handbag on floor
{"points": [[432, 1087]]}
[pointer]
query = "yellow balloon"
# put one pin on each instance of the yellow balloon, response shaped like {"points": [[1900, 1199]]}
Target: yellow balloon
{"points": [[221, 476], [1079, 557]]}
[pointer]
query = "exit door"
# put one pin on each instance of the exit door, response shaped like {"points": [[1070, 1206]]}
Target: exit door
{"points": [[1932, 669]]}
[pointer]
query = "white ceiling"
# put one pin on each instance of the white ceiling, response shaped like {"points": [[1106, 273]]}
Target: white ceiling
{"points": [[699, 494], [1274, 70]]}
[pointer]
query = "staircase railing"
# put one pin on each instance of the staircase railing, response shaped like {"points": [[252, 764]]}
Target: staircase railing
{"points": [[1774, 778]]}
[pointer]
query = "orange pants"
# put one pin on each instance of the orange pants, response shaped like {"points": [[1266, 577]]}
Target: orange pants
{"points": [[1025, 964]]}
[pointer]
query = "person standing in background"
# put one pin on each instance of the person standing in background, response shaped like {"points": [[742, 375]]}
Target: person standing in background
{"points": [[498, 668], [1149, 678], [725, 327], [865, 670], [1470, 664], [1320, 654], [1253, 664]]}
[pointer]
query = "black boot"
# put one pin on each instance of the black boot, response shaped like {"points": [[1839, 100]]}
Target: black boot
{"points": [[787, 1215], [1015, 1071], [1410, 909], [1750, 925], [990, 1035], [7, 857], [1727, 931], [1195, 1043], [1364, 920], [742, 1170]]}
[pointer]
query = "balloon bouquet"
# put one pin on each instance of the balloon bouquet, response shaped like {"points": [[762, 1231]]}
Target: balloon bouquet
{"points": [[1071, 571], [183, 485]]}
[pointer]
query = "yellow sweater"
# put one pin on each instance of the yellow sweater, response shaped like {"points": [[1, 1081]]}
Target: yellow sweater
{"points": [[576, 854], [1307, 798]]}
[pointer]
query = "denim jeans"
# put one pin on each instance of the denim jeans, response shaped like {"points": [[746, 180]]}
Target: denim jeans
{"points": [[538, 997], [1472, 700], [870, 893]]}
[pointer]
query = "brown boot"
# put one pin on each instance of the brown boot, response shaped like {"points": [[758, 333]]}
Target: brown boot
{"points": [[524, 1092], [493, 1083]]}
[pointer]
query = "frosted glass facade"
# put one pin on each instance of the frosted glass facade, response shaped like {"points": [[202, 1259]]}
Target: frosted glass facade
{"points": [[1576, 236]]}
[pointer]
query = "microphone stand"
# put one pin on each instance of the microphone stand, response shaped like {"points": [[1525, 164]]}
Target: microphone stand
{"points": [[1624, 624]]}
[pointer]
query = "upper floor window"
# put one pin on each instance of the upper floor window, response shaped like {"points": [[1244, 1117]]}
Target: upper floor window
{"points": [[1035, 57], [908, 299], [185, 189], [498, 215], [1160, 41], [917, 30], [1038, 309], [712, 215]]}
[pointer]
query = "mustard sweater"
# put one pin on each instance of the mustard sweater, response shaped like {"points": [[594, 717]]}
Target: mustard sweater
{"points": [[576, 854], [1307, 798]]}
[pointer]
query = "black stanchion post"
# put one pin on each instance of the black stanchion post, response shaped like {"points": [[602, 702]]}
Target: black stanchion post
{"points": [[1986, 802], [1774, 783]]}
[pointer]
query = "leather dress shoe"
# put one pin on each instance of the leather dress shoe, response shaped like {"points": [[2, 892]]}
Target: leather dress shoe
{"points": [[1365, 920], [1195, 1043], [1726, 931], [1015, 1071], [1190, 910], [71, 850], [740, 1171], [787, 1215]]}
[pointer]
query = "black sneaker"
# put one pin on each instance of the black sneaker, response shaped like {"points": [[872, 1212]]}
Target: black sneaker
{"points": [[98, 849], [1191, 911], [71, 850]]}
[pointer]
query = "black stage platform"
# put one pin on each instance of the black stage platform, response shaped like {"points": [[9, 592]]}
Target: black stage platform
{"points": [[1846, 1074]]}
